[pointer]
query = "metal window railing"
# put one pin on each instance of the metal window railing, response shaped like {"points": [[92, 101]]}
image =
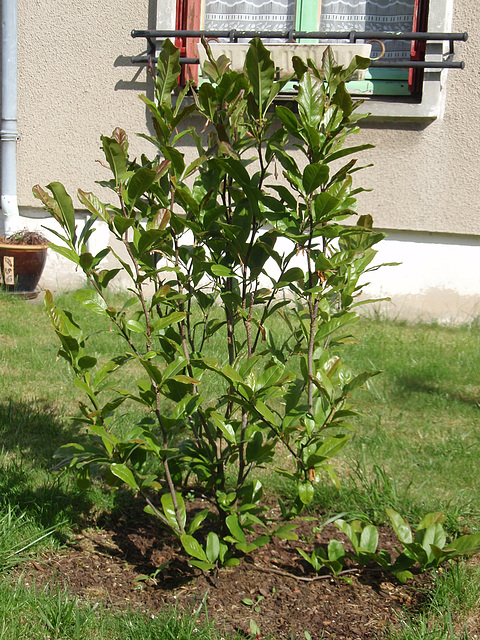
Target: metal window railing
{"points": [[154, 37]]}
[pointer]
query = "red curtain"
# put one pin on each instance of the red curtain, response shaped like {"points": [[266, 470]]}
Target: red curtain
{"points": [[420, 23], [188, 17]]}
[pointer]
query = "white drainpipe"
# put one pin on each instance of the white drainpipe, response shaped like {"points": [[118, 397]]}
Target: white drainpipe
{"points": [[10, 218]]}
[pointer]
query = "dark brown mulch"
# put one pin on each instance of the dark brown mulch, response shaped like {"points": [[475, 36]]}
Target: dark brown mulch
{"points": [[105, 564]]}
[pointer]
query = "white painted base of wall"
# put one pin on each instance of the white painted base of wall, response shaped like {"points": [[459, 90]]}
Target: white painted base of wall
{"points": [[438, 278]]}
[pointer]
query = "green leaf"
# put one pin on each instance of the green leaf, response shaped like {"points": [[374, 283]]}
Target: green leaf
{"points": [[185, 379], [324, 204], [248, 601], [261, 541], [434, 535], [122, 224], [197, 521], [400, 526], [311, 101], [265, 412], [312, 560], [70, 254], [170, 513], [168, 70], [174, 367], [138, 184], [349, 530], [369, 539], [431, 519], [235, 528], [403, 576], [65, 206], [91, 300], [335, 550], [62, 321], [167, 321], [87, 362], [93, 204], [306, 492], [314, 175], [236, 170], [135, 326], [204, 566], [212, 547], [221, 271], [193, 548], [289, 120], [295, 274], [86, 261], [116, 158], [348, 151], [260, 70], [124, 473], [232, 562], [230, 373], [225, 428], [286, 532], [109, 367], [176, 158], [465, 544], [359, 381]]}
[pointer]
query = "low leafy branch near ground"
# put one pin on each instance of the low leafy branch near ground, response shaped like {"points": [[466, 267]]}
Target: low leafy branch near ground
{"points": [[204, 239], [427, 549]]}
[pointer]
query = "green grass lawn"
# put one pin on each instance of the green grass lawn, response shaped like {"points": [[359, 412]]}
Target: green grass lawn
{"points": [[420, 425], [416, 449]]}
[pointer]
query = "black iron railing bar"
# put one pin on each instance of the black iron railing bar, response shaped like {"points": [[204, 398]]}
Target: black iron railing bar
{"points": [[393, 64], [352, 36]]}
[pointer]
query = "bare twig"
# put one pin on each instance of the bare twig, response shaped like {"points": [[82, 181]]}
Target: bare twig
{"points": [[302, 578]]}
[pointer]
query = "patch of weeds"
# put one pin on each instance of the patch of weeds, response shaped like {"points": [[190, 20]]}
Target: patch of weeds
{"points": [[17, 536], [449, 612], [60, 614], [27, 613]]}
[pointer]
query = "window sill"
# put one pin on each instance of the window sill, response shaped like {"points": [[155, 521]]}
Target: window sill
{"points": [[428, 108]]}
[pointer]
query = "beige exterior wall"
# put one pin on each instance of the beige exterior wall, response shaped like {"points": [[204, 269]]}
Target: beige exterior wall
{"points": [[426, 174], [76, 82]]}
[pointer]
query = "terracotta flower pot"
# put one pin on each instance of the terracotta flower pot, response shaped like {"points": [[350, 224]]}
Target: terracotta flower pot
{"points": [[21, 266]]}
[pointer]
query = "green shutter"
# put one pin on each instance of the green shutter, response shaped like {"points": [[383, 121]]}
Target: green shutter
{"points": [[382, 82], [307, 14]]}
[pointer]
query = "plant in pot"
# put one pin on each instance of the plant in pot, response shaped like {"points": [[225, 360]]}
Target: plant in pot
{"points": [[22, 259]]}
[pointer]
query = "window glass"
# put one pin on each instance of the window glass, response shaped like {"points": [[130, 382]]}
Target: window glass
{"points": [[249, 15], [371, 15]]}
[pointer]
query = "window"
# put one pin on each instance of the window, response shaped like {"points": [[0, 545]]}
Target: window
{"points": [[393, 100], [325, 16]]}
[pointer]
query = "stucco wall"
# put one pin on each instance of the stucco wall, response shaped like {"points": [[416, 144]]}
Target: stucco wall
{"points": [[76, 82], [426, 175]]}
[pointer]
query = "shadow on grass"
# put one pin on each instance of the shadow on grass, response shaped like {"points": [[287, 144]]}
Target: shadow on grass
{"points": [[30, 433], [447, 391], [34, 430]]}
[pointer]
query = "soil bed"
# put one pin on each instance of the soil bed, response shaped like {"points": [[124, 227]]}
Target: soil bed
{"points": [[111, 564]]}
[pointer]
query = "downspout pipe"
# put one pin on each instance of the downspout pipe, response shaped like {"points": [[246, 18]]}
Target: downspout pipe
{"points": [[10, 218]]}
